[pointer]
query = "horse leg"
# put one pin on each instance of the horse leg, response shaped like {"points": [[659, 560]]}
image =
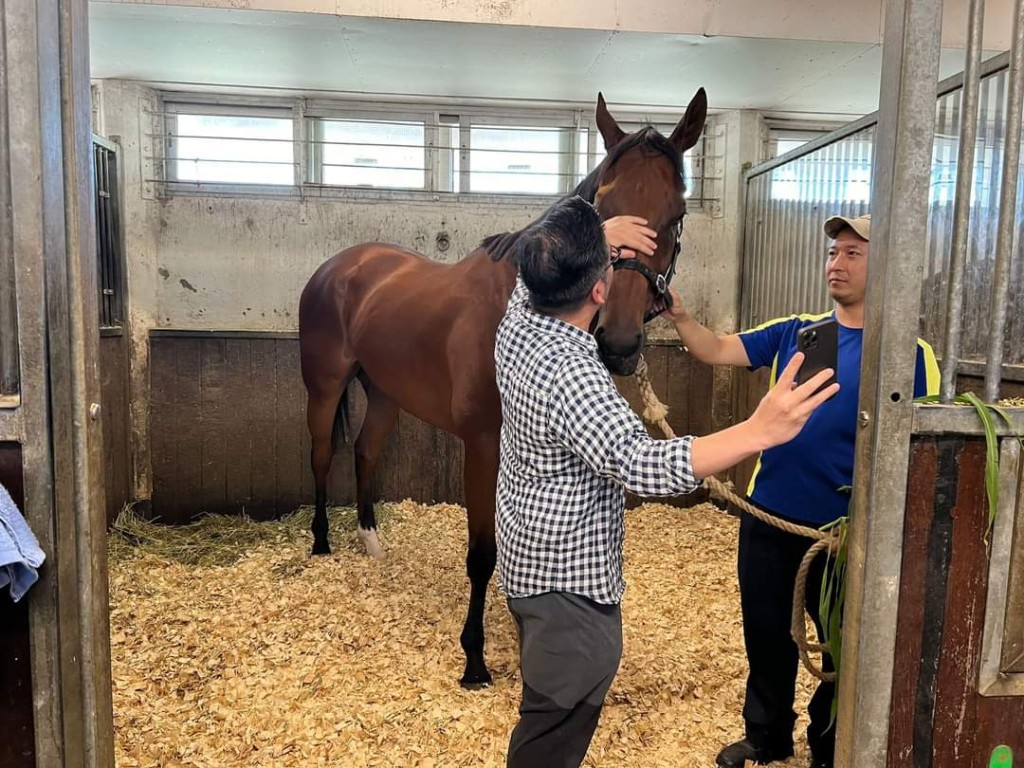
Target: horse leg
{"points": [[321, 410], [481, 478], [381, 415]]}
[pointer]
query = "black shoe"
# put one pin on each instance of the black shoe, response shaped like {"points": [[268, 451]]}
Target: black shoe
{"points": [[736, 755]]}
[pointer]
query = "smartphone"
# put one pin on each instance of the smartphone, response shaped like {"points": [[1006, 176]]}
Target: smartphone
{"points": [[820, 344]]}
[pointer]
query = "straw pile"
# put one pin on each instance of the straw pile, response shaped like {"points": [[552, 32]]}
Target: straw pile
{"points": [[231, 647]]}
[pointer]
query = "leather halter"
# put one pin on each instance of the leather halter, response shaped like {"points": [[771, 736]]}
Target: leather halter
{"points": [[659, 282]]}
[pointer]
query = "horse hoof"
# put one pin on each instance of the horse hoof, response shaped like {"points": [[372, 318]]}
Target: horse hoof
{"points": [[476, 681], [320, 549], [372, 543]]}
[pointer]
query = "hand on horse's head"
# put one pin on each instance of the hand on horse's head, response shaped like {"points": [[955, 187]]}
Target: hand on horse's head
{"points": [[630, 234]]}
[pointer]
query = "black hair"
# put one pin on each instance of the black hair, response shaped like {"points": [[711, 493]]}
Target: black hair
{"points": [[562, 255]]}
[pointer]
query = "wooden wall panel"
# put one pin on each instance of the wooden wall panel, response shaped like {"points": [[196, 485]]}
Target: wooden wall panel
{"points": [[748, 389], [939, 719], [229, 429], [115, 417]]}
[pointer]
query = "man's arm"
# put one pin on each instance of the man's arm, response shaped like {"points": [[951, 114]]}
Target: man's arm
{"points": [[591, 418], [594, 421], [778, 418], [703, 343]]}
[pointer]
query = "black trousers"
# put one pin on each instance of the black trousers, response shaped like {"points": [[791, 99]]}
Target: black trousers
{"points": [[569, 652], [768, 562]]}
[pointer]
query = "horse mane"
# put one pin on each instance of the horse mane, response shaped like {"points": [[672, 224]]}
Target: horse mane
{"points": [[650, 142]]}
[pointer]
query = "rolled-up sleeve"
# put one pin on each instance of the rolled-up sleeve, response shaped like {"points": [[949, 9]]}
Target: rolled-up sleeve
{"points": [[591, 418]]}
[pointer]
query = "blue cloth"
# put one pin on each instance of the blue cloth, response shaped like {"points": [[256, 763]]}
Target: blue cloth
{"points": [[20, 555], [803, 478]]}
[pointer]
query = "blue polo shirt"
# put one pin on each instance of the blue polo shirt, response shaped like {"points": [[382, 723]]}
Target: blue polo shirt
{"points": [[802, 478]]}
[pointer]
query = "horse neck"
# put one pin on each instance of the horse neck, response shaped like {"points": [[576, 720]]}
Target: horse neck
{"points": [[501, 273]]}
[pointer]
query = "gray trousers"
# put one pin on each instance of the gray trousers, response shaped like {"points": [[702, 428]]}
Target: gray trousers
{"points": [[569, 651]]}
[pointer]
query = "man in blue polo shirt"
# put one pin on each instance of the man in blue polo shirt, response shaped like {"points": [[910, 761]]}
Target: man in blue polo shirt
{"points": [[804, 481]]}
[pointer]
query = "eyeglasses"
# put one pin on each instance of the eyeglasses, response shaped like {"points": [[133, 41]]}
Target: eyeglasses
{"points": [[615, 254]]}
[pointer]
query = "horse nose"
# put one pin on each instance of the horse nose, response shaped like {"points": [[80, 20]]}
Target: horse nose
{"points": [[620, 344]]}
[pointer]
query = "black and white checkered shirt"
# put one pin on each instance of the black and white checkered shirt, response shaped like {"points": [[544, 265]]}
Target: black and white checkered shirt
{"points": [[570, 444]]}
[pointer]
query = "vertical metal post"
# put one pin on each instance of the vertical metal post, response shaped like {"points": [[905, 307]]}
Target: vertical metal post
{"points": [[964, 199], [902, 173], [465, 169], [9, 372], [1007, 210]]}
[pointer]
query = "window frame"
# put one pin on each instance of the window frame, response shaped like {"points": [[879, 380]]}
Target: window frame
{"points": [[227, 108], [307, 113]]}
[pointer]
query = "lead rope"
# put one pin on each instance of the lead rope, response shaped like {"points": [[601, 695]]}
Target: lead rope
{"points": [[655, 412]]}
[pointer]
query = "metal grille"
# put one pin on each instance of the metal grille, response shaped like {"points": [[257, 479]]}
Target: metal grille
{"points": [[789, 198], [784, 243], [109, 259]]}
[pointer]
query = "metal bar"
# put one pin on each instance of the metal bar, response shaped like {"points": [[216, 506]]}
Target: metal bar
{"points": [[963, 420], [813, 146], [175, 333], [747, 241], [179, 101], [903, 154], [1010, 372], [1007, 209], [465, 156], [99, 157], [120, 282], [9, 369], [301, 148]]}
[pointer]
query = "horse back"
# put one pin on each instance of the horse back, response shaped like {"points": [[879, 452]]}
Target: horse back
{"points": [[422, 330]]}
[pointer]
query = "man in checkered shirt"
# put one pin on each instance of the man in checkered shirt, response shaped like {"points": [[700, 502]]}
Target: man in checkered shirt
{"points": [[570, 448]]}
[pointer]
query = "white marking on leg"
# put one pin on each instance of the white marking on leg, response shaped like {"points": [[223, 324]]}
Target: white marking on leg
{"points": [[371, 542]]}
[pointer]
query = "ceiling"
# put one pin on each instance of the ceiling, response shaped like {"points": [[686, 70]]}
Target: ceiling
{"points": [[188, 47]]}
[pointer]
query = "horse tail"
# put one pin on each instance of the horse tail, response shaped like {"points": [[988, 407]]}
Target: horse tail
{"points": [[342, 426]]}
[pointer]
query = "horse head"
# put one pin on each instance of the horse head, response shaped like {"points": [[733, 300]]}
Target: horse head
{"points": [[642, 175]]}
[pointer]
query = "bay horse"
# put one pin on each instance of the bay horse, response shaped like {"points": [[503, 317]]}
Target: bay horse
{"points": [[419, 336]]}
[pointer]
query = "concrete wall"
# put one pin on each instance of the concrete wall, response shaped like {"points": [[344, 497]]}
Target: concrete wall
{"points": [[241, 263], [123, 113], [205, 262]]}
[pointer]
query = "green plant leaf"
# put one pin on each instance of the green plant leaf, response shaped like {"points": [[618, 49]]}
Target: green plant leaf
{"points": [[991, 455]]}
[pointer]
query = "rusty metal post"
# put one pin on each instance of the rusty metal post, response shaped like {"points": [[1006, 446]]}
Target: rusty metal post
{"points": [[901, 182]]}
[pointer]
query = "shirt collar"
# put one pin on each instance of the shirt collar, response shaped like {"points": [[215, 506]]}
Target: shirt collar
{"points": [[552, 325]]}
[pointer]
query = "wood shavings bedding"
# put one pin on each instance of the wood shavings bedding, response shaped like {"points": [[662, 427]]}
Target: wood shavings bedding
{"points": [[282, 660]]}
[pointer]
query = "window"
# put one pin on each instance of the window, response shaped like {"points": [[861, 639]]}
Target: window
{"points": [[364, 153], [231, 149], [517, 160], [296, 143], [785, 139]]}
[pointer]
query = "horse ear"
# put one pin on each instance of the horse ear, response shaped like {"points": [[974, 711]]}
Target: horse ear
{"points": [[606, 124], [688, 131]]}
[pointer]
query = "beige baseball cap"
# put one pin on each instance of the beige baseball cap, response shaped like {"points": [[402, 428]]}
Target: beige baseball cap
{"points": [[861, 225]]}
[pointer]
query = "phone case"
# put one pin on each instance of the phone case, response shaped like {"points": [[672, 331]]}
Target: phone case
{"points": [[820, 344]]}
